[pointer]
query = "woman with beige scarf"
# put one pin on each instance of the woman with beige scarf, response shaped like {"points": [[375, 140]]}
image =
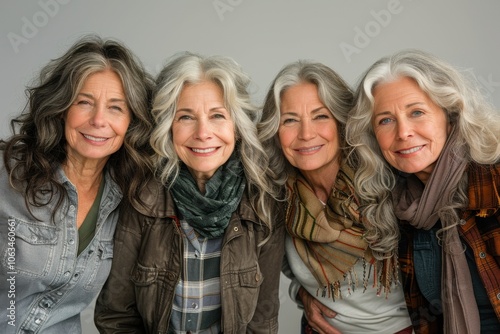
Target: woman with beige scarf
{"points": [[344, 283], [429, 150]]}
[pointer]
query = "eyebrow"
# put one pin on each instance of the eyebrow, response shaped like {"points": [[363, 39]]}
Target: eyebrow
{"points": [[90, 96], [211, 109], [312, 111], [386, 112], [413, 104]]}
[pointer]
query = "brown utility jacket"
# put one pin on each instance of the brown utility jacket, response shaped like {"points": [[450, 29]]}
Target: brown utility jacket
{"points": [[147, 264]]}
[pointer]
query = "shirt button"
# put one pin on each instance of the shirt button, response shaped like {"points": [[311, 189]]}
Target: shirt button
{"points": [[194, 306], [71, 241], [59, 293], [482, 255], [498, 296], [38, 321], [235, 229], [71, 207], [67, 273], [463, 222]]}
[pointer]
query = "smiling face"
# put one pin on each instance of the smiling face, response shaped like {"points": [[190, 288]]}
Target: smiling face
{"points": [[203, 131], [410, 128], [308, 132], [96, 122]]}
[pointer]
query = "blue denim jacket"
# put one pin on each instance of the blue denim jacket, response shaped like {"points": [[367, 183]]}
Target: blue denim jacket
{"points": [[44, 285]]}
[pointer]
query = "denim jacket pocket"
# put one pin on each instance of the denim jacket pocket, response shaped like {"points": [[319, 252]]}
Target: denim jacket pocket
{"points": [[100, 264], [35, 245]]}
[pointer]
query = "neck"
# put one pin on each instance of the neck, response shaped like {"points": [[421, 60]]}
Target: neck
{"points": [[84, 174], [322, 181]]}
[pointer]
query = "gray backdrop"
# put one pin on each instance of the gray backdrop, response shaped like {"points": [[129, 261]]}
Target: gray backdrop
{"points": [[261, 35]]}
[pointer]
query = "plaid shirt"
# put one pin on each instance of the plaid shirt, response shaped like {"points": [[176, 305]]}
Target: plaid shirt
{"points": [[480, 229], [197, 303]]}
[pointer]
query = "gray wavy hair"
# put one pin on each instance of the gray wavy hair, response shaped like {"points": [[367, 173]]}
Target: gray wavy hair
{"points": [[475, 120], [38, 145], [187, 68], [333, 91]]}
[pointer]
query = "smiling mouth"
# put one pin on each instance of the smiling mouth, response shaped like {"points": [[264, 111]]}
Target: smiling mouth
{"points": [[309, 149], [98, 139], [203, 150], [411, 150]]}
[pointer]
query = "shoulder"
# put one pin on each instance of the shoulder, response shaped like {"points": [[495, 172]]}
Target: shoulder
{"points": [[156, 200], [484, 186], [245, 209]]}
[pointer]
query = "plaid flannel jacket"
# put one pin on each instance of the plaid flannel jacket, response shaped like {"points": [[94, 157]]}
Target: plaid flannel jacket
{"points": [[480, 229]]}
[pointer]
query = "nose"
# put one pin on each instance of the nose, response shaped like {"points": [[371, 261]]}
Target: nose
{"points": [[307, 131], [404, 129], [98, 116], [203, 129]]}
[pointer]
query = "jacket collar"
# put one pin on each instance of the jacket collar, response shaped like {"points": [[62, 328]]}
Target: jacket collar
{"points": [[159, 203]]}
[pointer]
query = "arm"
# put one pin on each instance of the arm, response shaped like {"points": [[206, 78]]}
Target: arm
{"points": [[316, 312], [116, 310], [265, 319]]}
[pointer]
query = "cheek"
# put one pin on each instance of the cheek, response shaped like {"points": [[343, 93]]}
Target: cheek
{"points": [[441, 142], [179, 134], [230, 135], [284, 137], [123, 126], [381, 140]]}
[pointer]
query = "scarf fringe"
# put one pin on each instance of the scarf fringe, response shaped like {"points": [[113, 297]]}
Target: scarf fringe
{"points": [[385, 275]]}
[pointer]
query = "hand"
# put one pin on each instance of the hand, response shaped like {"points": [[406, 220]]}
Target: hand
{"points": [[316, 312]]}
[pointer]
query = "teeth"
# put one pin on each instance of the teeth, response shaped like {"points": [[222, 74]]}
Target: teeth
{"points": [[95, 138], [411, 150], [206, 150], [310, 149]]}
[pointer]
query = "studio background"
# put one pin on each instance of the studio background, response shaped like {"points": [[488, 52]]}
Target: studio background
{"points": [[260, 35]]}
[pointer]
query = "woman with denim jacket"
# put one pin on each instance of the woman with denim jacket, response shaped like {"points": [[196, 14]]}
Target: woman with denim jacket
{"points": [[429, 147], [204, 254], [79, 145]]}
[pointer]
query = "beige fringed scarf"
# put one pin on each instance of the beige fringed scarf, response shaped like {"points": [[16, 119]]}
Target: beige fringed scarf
{"points": [[420, 206], [329, 238]]}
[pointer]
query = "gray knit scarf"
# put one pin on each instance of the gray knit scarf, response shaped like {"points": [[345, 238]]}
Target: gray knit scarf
{"points": [[209, 213], [421, 206]]}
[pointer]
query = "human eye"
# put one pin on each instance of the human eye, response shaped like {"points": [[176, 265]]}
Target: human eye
{"points": [[417, 113], [288, 120], [183, 116], [322, 116], [83, 103], [384, 121], [117, 108], [219, 116]]}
